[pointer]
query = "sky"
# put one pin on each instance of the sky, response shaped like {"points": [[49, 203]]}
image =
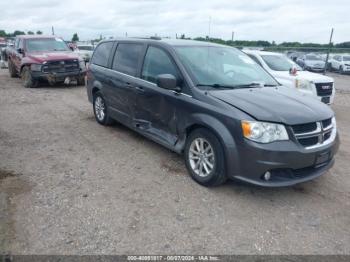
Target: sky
{"points": [[272, 20]]}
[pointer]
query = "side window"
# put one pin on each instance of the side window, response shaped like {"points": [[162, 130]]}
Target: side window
{"points": [[157, 62], [126, 58], [255, 59], [102, 53]]}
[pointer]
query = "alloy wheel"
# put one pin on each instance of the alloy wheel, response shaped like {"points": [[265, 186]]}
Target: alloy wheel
{"points": [[201, 157], [100, 108]]}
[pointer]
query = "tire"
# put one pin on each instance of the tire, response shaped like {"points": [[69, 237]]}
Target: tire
{"points": [[12, 69], [27, 78], [341, 70], [214, 157], [100, 110], [81, 81]]}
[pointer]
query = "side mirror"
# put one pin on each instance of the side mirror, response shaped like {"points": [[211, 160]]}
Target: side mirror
{"points": [[168, 81], [20, 51]]}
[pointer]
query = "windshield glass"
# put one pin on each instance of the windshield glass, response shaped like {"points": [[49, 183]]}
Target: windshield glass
{"points": [[46, 44], [313, 58], [279, 62], [85, 47], [346, 58], [222, 66]]}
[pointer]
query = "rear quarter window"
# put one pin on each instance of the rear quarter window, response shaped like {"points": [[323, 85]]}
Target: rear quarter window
{"points": [[102, 53]]}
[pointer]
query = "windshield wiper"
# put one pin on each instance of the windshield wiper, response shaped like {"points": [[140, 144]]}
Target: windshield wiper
{"points": [[254, 85], [217, 86]]}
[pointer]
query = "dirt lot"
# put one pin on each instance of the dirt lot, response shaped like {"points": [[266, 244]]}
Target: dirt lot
{"points": [[71, 186]]}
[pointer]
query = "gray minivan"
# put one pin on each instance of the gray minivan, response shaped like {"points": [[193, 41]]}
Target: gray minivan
{"points": [[213, 104]]}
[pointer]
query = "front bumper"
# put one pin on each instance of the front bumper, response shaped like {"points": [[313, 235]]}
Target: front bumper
{"points": [[58, 77], [288, 162]]}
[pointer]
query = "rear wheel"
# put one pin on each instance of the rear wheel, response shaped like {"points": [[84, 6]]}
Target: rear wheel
{"points": [[12, 69], [27, 78], [100, 110], [204, 158]]}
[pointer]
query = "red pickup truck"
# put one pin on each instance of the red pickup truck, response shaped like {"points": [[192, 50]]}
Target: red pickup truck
{"points": [[48, 58]]}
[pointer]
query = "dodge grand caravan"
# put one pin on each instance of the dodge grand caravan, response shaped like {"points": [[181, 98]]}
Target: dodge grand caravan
{"points": [[216, 106]]}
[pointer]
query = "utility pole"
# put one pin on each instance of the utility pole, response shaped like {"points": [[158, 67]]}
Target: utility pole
{"points": [[53, 30], [329, 50], [209, 28], [233, 34]]}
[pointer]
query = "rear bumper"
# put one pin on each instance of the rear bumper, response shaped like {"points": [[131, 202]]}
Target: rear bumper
{"points": [[58, 77], [287, 162]]}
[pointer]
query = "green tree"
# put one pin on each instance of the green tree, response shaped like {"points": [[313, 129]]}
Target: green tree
{"points": [[18, 32], [30, 33], [3, 33], [75, 37], [39, 32]]}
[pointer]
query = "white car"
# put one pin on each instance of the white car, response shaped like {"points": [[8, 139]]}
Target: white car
{"points": [[85, 51], [279, 66], [340, 63]]}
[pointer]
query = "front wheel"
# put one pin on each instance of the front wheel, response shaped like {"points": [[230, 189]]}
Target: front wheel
{"points": [[341, 70], [81, 81], [204, 158], [100, 110], [12, 69], [27, 78]]}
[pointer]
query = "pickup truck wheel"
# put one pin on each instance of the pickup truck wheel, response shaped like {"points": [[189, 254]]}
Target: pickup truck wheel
{"points": [[204, 158], [27, 78], [81, 81], [100, 110], [12, 69]]}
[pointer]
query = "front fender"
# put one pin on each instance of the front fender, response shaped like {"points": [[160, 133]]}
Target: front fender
{"points": [[223, 134]]}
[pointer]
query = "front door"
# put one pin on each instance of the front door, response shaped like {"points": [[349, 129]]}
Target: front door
{"points": [[156, 108]]}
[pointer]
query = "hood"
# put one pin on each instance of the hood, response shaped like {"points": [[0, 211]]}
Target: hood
{"points": [[316, 78], [314, 63], [280, 104], [41, 57]]}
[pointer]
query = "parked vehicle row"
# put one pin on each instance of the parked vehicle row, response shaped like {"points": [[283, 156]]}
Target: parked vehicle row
{"points": [[281, 67], [228, 116], [316, 62]]}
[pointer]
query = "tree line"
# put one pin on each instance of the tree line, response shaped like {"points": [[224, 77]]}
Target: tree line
{"points": [[246, 43], [18, 32], [266, 44]]}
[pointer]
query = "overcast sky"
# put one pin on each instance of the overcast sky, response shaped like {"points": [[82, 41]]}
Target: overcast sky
{"points": [[278, 20]]}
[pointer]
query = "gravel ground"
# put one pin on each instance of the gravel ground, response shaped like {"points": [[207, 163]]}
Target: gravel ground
{"points": [[71, 186]]}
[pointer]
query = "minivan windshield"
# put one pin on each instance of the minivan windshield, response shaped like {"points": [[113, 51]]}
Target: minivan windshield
{"points": [[46, 44], [279, 62], [227, 67]]}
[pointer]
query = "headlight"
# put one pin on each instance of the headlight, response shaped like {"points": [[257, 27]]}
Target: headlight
{"points": [[264, 132], [303, 84], [35, 67]]}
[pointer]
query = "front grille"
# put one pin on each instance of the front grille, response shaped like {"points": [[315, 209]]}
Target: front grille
{"points": [[61, 66], [304, 128], [309, 141], [312, 134], [324, 89]]}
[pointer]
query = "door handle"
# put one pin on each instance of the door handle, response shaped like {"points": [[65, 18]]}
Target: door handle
{"points": [[139, 89]]}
